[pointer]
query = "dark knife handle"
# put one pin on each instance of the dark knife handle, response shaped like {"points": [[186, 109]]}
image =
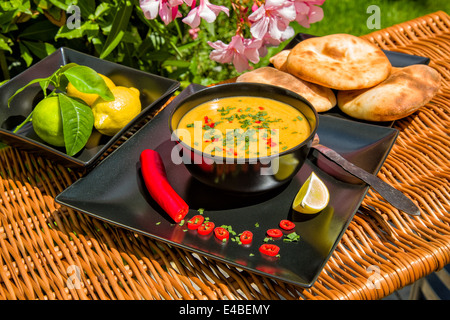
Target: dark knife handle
{"points": [[389, 193]]}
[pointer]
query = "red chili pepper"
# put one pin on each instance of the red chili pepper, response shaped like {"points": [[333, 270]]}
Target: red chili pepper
{"points": [[274, 233], [206, 228], [287, 225], [246, 237], [221, 233], [261, 108], [270, 143], [206, 119], [195, 222], [155, 178], [269, 249]]}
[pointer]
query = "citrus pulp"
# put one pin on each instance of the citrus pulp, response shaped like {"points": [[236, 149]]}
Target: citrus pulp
{"points": [[312, 197]]}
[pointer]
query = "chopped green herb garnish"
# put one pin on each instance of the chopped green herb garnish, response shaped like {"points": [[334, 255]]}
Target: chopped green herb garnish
{"points": [[291, 237]]}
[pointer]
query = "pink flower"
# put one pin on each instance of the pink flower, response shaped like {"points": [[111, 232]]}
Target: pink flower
{"points": [[252, 49], [308, 11], [238, 51], [167, 9], [205, 10], [193, 33], [273, 17]]}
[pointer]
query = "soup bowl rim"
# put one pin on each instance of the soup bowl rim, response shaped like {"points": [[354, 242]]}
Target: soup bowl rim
{"points": [[251, 160]]}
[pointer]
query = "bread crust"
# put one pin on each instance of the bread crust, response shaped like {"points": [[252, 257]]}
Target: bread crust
{"points": [[401, 94], [322, 99], [339, 61]]}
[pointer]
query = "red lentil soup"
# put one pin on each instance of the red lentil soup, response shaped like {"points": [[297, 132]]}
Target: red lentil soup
{"points": [[243, 127]]}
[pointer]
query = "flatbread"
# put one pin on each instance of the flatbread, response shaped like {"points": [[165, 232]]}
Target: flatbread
{"points": [[401, 94], [279, 60], [339, 61], [322, 99]]}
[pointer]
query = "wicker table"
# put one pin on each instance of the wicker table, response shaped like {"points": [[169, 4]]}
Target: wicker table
{"points": [[43, 245]]}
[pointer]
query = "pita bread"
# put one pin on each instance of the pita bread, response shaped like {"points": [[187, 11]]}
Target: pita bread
{"points": [[279, 60], [402, 93], [339, 61], [322, 99]]}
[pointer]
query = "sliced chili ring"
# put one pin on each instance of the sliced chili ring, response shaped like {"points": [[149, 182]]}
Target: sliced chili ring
{"points": [[195, 222], [287, 225], [274, 233], [206, 228], [246, 237], [221, 233], [269, 249]]}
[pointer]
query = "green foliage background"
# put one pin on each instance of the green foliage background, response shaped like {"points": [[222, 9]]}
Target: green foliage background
{"points": [[117, 30]]}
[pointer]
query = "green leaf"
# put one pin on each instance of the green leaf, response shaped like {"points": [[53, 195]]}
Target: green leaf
{"points": [[65, 32], [101, 9], [39, 48], [39, 80], [87, 80], [25, 54], [176, 63], [4, 43], [119, 25], [57, 79], [59, 4], [41, 30], [78, 121], [87, 8]]}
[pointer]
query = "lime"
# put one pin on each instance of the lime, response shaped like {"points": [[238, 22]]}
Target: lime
{"points": [[312, 197], [89, 98], [47, 121], [111, 116]]}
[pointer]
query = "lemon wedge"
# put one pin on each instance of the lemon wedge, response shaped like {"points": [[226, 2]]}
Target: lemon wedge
{"points": [[312, 197]]}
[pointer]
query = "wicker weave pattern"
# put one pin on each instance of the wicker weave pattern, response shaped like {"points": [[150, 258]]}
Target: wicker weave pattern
{"points": [[43, 245]]}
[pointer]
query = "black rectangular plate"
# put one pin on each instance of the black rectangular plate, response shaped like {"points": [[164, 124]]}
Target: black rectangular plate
{"points": [[155, 91], [114, 192]]}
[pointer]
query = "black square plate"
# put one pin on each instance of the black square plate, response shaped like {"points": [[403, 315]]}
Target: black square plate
{"points": [[114, 192], [155, 91]]}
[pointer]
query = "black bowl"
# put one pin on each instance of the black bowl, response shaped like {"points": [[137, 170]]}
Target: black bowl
{"points": [[243, 175], [155, 91]]}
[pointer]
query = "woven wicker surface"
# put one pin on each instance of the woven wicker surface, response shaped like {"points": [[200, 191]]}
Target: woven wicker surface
{"points": [[52, 252]]}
